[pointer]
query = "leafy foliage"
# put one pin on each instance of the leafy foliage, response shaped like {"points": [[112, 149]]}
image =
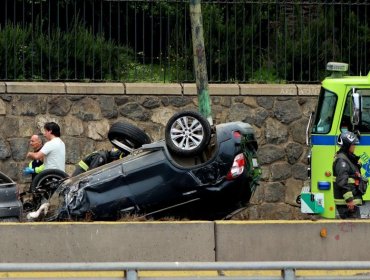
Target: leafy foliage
{"points": [[29, 53]]}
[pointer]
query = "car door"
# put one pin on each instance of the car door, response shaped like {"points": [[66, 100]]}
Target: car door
{"points": [[154, 181]]}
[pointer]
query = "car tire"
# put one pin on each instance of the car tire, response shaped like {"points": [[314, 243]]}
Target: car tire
{"points": [[187, 133], [127, 134], [45, 183]]}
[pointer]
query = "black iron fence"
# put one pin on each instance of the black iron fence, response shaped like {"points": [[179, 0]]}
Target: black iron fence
{"points": [[126, 40]]}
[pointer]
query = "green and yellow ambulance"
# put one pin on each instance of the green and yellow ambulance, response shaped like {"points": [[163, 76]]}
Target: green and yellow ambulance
{"points": [[343, 104]]}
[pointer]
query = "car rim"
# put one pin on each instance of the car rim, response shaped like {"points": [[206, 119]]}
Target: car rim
{"points": [[187, 133], [48, 182]]}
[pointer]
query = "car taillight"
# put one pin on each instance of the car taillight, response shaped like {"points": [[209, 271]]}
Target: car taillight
{"points": [[237, 168]]}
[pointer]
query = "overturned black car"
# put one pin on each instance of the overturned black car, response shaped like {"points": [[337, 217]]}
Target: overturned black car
{"points": [[206, 171]]}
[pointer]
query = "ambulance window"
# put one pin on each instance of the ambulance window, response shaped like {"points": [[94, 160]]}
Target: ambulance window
{"points": [[345, 123], [325, 112], [365, 111]]}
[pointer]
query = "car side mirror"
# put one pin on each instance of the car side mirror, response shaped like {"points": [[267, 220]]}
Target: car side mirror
{"points": [[358, 134]]}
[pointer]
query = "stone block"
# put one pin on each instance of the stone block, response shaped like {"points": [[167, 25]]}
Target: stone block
{"points": [[95, 88], [35, 87], [213, 89], [2, 87], [308, 89], [153, 89], [2, 108], [264, 89]]}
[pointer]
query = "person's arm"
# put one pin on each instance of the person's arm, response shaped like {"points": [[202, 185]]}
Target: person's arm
{"points": [[342, 169], [40, 168], [36, 155]]}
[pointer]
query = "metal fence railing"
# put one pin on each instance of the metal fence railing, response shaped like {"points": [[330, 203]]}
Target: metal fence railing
{"points": [[142, 40], [288, 270]]}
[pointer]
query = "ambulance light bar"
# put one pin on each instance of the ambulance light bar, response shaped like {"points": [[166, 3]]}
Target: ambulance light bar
{"points": [[337, 66]]}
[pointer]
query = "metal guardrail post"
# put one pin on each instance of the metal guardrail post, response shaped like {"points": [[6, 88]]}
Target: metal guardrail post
{"points": [[288, 274], [132, 274]]}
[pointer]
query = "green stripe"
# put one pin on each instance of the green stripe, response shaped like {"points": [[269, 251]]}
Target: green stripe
{"points": [[356, 201], [39, 168], [348, 195], [83, 165], [350, 180]]}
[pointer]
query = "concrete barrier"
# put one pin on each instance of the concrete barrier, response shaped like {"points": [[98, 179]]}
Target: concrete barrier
{"points": [[186, 241], [293, 241], [107, 242]]}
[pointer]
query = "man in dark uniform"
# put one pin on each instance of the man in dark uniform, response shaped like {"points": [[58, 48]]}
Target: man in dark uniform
{"points": [[97, 158], [349, 185], [37, 165], [34, 167]]}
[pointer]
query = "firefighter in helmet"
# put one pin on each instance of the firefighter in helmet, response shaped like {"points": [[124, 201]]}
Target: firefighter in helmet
{"points": [[97, 158], [349, 185]]}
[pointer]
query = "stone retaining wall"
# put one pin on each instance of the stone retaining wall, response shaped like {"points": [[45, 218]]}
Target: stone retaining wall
{"points": [[85, 111]]}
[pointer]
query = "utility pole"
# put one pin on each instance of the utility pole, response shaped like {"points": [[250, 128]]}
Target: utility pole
{"points": [[200, 65]]}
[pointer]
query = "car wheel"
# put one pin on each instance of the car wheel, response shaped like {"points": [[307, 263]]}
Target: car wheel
{"points": [[44, 184], [187, 133], [127, 134]]}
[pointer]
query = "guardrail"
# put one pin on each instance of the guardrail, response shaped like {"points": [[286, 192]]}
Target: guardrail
{"points": [[131, 269]]}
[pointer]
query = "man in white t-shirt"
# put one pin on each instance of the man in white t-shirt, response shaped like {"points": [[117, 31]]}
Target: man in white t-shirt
{"points": [[54, 151]]}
